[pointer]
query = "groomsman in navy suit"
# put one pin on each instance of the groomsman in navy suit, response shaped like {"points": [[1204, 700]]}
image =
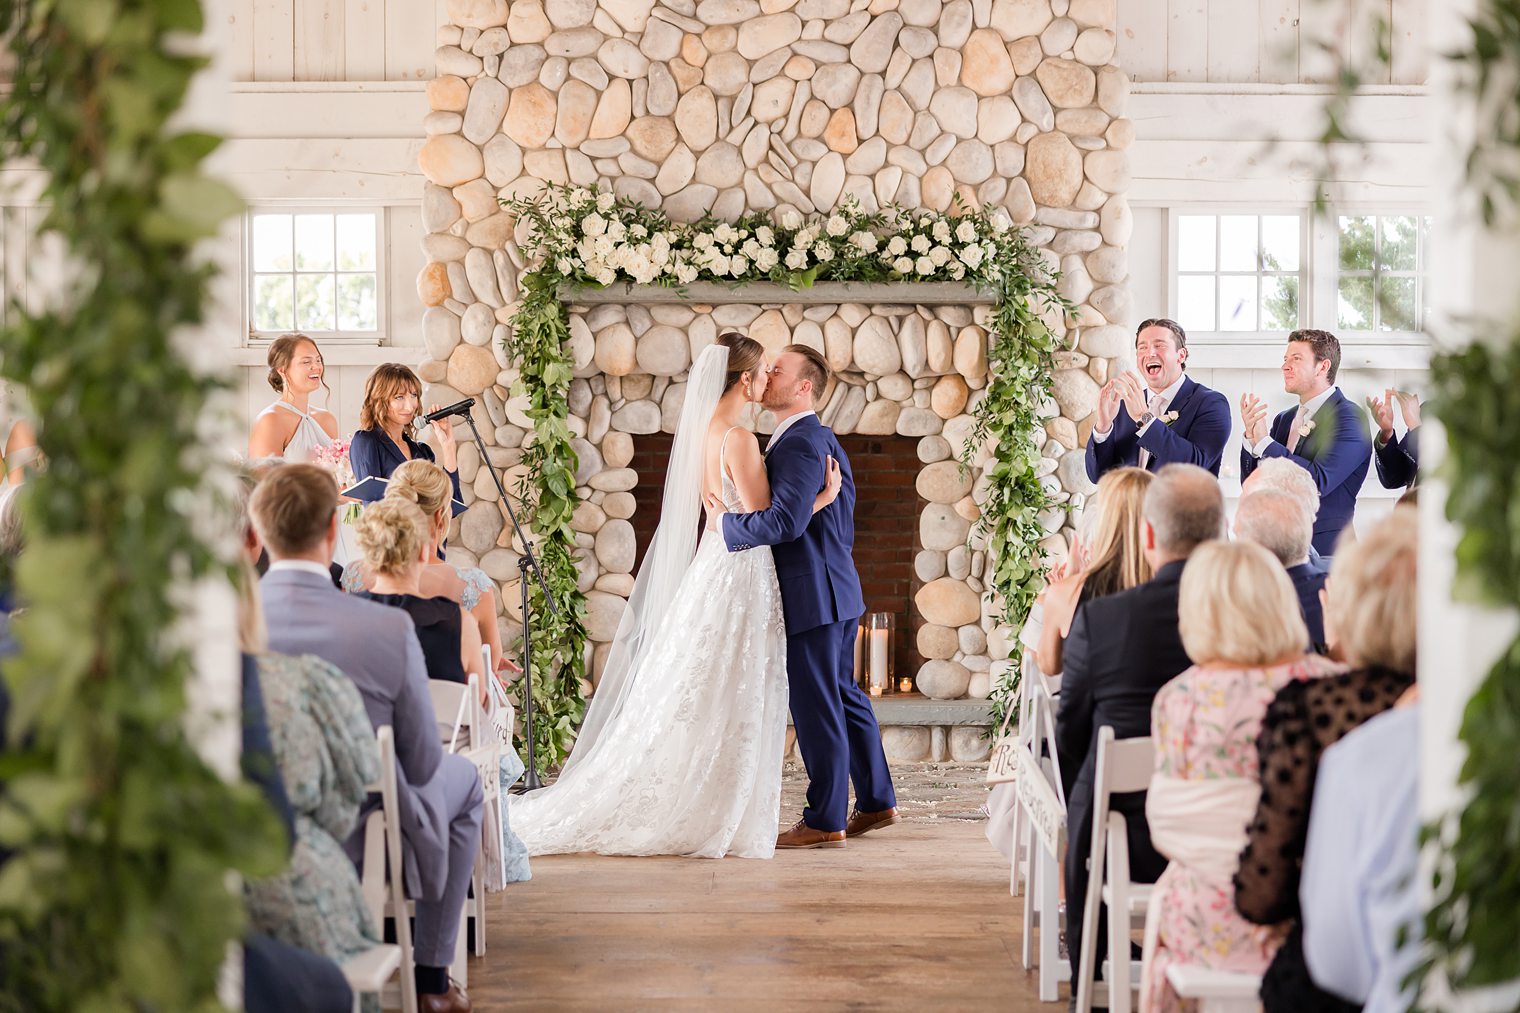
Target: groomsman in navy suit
{"points": [[1397, 458], [1167, 419], [1325, 435]]}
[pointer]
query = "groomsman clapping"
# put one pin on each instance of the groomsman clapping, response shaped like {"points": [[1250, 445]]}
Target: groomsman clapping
{"points": [[1397, 457], [1166, 417]]}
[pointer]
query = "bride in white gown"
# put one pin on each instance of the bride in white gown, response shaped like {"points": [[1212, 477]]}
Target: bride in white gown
{"points": [[680, 752]]}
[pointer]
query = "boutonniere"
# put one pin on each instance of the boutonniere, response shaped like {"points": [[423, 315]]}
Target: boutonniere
{"points": [[1170, 417], [1305, 429]]}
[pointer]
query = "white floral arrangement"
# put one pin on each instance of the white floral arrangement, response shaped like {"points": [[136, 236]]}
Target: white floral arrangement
{"points": [[595, 237], [1305, 429]]}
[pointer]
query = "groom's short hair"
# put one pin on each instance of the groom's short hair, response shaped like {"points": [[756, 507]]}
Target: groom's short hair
{"points": [[814, 368], [293, 508]]}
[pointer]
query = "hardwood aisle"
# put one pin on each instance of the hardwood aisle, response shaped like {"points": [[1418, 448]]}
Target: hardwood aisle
{"points": [[917, 916]]}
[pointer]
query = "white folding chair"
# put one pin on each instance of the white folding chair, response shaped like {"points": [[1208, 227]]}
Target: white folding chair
{"points": [[1216, 991], [383, 886], [1032, 683], [1042, 804], [1122, 765]]}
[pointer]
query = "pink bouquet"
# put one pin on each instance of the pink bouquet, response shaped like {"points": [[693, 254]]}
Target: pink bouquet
{"points": [[334, 457]]}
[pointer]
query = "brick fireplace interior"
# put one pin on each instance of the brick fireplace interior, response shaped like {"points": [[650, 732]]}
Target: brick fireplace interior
{"points": [[887, 511]]}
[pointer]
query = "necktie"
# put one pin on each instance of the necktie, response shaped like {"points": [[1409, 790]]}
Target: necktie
{"points": [[1298, 423], [1156, 408]]}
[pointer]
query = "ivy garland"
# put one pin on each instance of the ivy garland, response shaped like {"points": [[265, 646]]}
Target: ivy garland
{"points": [[116, 893], [582, 237]]}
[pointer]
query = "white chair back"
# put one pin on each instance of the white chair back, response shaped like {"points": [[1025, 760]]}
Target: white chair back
{"points": [[384, 877], [1041, 814], [1122, 766]]}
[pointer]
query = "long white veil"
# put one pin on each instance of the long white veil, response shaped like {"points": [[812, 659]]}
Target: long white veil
{"points": [[669, 556]]}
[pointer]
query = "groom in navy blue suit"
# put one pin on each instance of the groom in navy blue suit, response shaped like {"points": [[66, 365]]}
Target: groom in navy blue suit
{"points": [[1168, 419], [1326, 434], [820, 596]]}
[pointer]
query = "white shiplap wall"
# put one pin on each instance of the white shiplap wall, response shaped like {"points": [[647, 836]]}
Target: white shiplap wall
{"points": [[1266, 41], [333, 40]]}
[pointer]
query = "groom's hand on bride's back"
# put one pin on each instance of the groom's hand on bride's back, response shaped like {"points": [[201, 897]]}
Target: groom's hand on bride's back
{"points": [[715, 511]]}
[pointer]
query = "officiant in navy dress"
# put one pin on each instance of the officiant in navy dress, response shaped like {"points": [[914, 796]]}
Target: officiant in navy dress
{"points": [[1167, 418], [387, 422], [1326, 434]]}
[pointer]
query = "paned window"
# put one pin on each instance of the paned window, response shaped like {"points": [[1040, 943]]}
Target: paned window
{"points": [[1239, 272], [314, 271], [1381, 279]]}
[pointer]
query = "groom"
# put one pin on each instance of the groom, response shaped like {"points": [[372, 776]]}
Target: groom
{"points": [[820, 595]]}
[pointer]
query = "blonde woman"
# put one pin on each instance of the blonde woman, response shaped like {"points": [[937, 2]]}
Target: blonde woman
{"points": [[1242, 628], [1113, 560], [428, 487], [395, 545]]}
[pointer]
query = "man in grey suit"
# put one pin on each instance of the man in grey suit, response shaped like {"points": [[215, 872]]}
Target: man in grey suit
{"points": [[295, 511]]}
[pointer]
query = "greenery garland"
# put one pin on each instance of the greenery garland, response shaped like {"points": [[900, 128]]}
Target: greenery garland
{"points": [[117, 895], [583, 237]]}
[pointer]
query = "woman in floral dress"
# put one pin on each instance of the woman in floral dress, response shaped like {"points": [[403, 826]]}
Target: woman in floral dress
{"points": [[1241, 626]]}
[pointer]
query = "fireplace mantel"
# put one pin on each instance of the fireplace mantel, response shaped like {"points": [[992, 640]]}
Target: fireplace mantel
{"points": [[770, 293]]}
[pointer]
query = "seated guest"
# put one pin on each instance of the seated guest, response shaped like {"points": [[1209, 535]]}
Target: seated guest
{"points": [[1370, 614], [1397, 457], [1281, 525], [1360, 893], [1114, 560], [250, 474], [1122, 649], [1282, 475], [427, 485], [1167, 418], [388, 423], [393, 542], [1240, 624], [1326, 434], [295, 511]]}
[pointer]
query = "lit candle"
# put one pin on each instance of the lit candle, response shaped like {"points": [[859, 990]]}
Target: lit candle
{"points": [[905, 685], [878, 662]]}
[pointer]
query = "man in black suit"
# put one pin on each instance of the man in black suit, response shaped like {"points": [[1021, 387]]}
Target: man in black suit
{"points": [[1397, 457], [1121, 650], [1280, 524]]}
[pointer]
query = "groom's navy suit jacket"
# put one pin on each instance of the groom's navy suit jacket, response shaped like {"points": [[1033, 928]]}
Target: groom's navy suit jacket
{"points": [[814, 562], [1197, 437], [1337, 452]]}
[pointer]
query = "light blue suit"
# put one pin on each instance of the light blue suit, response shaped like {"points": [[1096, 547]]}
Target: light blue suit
{"points": [[440, 796]]}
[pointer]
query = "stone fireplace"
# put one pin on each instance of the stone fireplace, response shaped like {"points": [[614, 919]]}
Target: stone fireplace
{"points": [[777, 105]]}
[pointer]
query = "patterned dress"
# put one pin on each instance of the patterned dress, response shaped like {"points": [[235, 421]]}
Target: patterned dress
{"points": [[1205, 724]]}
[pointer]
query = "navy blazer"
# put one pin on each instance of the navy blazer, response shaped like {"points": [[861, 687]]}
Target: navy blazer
{"points": [[1308, 580], [1197, 437], [372, 452], [1337, 452], [814, 562], [1398, 460]]}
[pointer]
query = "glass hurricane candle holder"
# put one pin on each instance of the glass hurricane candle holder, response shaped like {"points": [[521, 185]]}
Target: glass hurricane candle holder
{"points": [[878, 661]]}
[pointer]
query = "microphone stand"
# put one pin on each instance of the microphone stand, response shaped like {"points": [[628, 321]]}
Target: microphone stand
{"points": [[525, 562]]}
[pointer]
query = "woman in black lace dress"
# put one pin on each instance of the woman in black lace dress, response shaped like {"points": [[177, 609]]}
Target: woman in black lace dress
{"points": [[1370, 620]]}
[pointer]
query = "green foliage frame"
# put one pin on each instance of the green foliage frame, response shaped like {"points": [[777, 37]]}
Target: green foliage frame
{"points": [[117, 894], [1017, 399]]}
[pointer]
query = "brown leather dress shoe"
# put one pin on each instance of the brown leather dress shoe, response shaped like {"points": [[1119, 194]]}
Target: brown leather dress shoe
{"points": [[452, 1001], [803, 836], [864, 823]]}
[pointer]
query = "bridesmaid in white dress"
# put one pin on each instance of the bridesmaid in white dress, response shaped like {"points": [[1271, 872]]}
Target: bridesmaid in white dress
{"points": [[290, 428]]}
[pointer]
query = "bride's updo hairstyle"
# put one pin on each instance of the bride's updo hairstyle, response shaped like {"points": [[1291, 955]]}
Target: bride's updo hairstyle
{"points": [[391, 536], [427, 486], [744, 356]]}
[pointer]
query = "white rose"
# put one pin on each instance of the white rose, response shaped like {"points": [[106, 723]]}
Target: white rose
{"points": [[971, 255], [606, 276], [940, 256], [638, 231], [616, 231], [837, 226], [766, 235], [924, 266], [897, 246], [941, 232], [750, 248], [957, 271], [864, 241], [791, 220], [702, 241], [593, 224], [766, 260], [738, 264], [720, 264], [725, 233], [1000, 221], [797, 259], [920, 244], [686, 274], [926, 223], [605, 202], [824, 252], [965, 232], [903, 265]]}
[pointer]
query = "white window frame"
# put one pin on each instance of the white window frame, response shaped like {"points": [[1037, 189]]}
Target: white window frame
{"points": [[1326, 250], [1305, 273], [382, 266]]}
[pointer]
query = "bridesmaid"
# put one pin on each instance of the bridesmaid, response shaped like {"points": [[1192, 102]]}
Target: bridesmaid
{"points": [[388, 424], [290, 428]]}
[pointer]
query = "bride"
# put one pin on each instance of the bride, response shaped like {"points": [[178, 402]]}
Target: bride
{"points": [[680, 752]]}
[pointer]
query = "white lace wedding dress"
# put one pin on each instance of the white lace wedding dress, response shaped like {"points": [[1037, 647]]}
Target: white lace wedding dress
{"points": [[693, 764]]}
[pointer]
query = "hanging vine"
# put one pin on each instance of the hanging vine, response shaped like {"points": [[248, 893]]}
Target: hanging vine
{"points": [[116, 893]]}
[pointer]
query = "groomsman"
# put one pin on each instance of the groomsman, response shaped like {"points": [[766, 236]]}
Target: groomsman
{"points": [[1397, 459], [1167, 418], [1325, 435]]}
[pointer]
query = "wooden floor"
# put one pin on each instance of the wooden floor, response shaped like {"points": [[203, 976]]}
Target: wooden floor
{"points": [[917, 916]]}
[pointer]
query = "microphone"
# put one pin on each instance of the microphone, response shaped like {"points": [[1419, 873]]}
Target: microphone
{"points": [[459, 408]]}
